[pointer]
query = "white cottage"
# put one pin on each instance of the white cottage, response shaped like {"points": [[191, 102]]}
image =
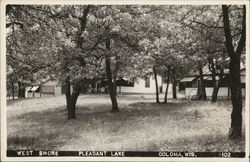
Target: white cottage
{"points": [[141, 86], [46, 89]]}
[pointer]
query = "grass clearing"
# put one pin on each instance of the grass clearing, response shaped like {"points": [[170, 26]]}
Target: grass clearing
{"points": [[141, 125]]}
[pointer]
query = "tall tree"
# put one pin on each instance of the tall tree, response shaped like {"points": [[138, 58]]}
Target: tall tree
{"points": [[115, 25], [111, 84], [168, 80], [174, 84], [65, 45], [22, 51], [234, 51], [156, 85]]}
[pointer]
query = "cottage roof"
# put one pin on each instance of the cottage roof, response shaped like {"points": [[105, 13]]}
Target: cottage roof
{"points": [[188, 79], [206, 72], [34, 88]]}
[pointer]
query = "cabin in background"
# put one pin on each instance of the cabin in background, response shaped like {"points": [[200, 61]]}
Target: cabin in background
{"points": [[140, 86], [47, 88], [124, 86], [189, 84]]}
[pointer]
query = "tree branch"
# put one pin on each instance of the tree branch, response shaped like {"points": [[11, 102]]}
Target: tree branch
{"points": [[15, 23], [207, 26], [242, 41], [227, 31]]}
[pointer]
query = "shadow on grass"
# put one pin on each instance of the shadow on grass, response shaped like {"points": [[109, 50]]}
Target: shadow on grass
{"points": [[33, 142], [18, 140], [35, 128], [201, 143], [101, 111], [50, 129], [10, 102]]}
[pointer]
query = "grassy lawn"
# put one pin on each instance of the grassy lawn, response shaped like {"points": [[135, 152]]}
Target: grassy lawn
{"points": [[141, 125]]}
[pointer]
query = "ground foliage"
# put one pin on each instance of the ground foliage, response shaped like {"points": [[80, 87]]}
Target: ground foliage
{"points": [[141, 125]]}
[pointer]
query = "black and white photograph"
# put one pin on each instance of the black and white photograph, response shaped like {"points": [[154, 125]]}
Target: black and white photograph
{"points": [[125, 81]]}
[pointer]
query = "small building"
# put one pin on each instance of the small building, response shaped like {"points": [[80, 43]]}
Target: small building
{"points": [[146, 85], [139, 86], [190, 83], [45, 89]]}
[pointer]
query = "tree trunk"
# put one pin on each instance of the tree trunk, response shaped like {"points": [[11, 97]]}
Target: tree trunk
{"points": [[215, 82], [21, 90], [202, 92], [234, 71], [115, 85], [215, 91], [40, 90], [70, 108], [111, 85], [71, 98], [156, 86], [13, 90], [166, 92], [115, 72], [173, 84], [236, 97], [216, 86]]}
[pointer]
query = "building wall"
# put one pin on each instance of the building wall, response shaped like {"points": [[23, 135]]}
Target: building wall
{"points": [[190, 92], [56, 86], [47, 95], [169, 88], [50, 88], [139, 86], [223, 92], [58, 90], [30, 94]]}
